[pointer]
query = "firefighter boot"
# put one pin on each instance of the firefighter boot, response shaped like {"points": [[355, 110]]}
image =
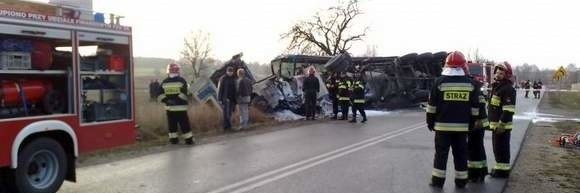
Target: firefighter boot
{"points": [[473, 175], [500, 173], [437, 182], [353, 120], [460, 183], [189, 141], [174, 141], [364, 119], [482, 173]]}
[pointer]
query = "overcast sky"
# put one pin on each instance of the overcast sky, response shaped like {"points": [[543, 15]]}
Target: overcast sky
{"points": [[542, 32]]}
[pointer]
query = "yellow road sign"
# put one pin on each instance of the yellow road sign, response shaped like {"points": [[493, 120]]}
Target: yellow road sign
{"points": [[559, 74]]}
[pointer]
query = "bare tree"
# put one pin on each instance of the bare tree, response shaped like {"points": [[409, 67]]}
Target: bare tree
{"points": [[196, 51], [328, 32], [477, 57], [371, 51]]}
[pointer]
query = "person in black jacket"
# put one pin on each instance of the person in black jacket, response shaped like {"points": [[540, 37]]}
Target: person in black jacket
{"points": [[527, 88], [332, 86], [451, 112], [311, 87], [535, 89], [538, 90], [227, 97], [358, 94], [173, 94], [344, 85], [477, 159], [502, 107]]}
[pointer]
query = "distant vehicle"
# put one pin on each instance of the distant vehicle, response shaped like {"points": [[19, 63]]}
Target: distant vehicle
{"points": [[476, 71]]}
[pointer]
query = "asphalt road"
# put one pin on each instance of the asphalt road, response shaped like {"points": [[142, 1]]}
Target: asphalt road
{"points": [[390, 153]]}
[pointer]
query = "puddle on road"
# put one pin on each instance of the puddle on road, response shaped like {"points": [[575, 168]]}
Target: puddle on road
{"points": [[377, 113], [542, 117]]}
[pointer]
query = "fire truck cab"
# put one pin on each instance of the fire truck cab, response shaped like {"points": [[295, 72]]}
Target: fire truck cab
{"points": [[65, 89]]}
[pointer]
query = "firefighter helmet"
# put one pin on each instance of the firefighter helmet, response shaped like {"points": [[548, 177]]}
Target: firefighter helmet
{"points": [[173, 68], [455, 60], [506, 68]]}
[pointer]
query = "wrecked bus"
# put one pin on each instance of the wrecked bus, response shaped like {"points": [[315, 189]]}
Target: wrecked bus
{"points": [[391, 82]]}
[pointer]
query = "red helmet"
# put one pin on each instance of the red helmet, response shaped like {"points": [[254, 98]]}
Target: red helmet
{"points": [[455, 60], [505, 67], [173, 68]]}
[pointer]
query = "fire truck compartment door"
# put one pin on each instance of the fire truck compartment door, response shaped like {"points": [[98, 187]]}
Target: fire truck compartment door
{"points": [[103, 38], [21, 30]]}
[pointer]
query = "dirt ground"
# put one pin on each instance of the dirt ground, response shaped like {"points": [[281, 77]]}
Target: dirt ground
{"points": [[542, 166]]}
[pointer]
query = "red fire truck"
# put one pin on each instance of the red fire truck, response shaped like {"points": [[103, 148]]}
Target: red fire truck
{"points": [[65, 89]]}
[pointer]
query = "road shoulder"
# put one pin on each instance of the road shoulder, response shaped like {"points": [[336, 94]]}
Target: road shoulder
{"points": [[543, 166]]}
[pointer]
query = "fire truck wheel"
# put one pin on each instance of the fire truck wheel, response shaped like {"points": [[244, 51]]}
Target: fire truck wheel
{"points": [[53, 103], [41, 167]]}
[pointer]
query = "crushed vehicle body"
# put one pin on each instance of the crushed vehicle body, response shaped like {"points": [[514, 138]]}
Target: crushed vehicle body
{"points": [[391, 82]]}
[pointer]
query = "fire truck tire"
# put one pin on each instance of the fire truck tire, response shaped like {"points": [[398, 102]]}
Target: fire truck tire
{"points": [[53, 103], [42, 165]]}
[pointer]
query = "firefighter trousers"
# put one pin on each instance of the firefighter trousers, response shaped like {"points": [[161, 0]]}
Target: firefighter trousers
{"points": [[477, 160], [501, 150], [179, 119], [310, 104], [458, 143], [360, 107], [334, 106], [344, 105]]}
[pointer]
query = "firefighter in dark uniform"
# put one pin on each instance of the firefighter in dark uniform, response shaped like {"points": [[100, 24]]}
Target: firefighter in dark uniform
{"points": [[173, 94], [332, 86], [501, 111], [358, 94], [344, 85], [477, 160], [527, 87], [451, 112], [311, 87]]}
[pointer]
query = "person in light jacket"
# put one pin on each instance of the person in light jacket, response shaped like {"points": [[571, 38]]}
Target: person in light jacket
{"points": [[244, 88]]}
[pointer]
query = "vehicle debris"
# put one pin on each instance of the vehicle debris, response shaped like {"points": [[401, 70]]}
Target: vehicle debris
{"points": [[392, 82]]}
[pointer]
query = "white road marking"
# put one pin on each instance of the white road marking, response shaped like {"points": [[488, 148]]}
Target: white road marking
{"points": [[259, 180]]}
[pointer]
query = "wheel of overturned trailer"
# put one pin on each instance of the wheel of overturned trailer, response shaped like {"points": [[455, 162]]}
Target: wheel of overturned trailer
{"points": [[53, 103], [409, 58], [42, 166]]}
